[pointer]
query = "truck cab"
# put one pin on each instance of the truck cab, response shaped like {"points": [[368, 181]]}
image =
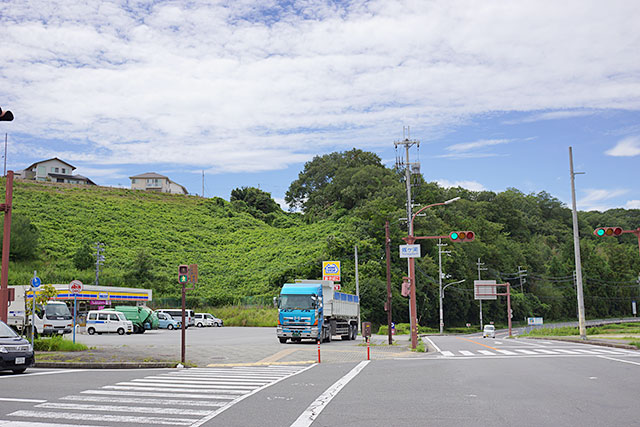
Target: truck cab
{"points": [[54, 318]]}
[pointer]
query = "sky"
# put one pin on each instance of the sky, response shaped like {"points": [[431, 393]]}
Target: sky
{"points": [[243, 92]]}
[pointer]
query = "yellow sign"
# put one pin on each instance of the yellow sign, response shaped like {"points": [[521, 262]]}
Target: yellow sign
{"points": [[331, 270]]}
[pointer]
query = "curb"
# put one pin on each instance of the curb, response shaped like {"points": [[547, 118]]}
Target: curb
{"points": [[105, 365], [592, 342]]}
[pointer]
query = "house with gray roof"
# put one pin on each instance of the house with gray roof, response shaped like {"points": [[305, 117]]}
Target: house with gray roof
{"points": [[53, 170]]}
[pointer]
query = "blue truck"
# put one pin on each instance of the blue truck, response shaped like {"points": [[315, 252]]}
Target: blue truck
{"points": [[312, 309]]}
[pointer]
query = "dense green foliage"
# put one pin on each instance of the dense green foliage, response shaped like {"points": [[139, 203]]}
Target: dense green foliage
{"points": [[247, 248], [57, 343]]}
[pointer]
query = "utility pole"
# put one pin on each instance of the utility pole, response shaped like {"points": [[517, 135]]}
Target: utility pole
{"points": [[202, 182], [99, 259], [576, 250], [480, 268], [355, 247], [409, 168], [440, 252], [4, 172], [522, 277], [388, 254]]}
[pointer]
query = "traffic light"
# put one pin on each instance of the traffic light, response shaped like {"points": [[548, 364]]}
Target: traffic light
{"points": [[183, 272], [6, 116], [462, 236], [607, 231]]}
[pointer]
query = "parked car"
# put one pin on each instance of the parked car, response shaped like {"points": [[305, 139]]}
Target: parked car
{"points": [[16, 353], [489, 331], [167, 322], [207, 319], [100, 321], [176, 314]]}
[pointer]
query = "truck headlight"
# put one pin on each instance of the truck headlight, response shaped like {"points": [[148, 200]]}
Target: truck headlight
{"points": [[3, 349]]}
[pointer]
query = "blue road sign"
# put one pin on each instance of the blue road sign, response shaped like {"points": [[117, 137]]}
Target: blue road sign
{"points": [[35, 282]]}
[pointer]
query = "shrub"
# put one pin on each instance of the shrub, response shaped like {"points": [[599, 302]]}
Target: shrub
{"points": [[57, 343]]}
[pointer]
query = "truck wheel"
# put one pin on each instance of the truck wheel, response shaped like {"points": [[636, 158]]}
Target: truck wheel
{"points": [[169, 326], [282, 340], [120, 331], [91, 331]]}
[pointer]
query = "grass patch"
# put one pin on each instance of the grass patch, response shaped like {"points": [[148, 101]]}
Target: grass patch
{"points": [[623, 328], [57, 343], [636, 344], [238, 315]]}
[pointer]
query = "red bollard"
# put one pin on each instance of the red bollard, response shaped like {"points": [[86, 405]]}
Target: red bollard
{"points": [[368, 355], [318, 351]]}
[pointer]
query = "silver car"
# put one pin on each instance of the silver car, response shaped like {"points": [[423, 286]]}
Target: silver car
{"points": [[489, 331]]}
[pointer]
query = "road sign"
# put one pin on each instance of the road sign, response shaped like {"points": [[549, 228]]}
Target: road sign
{"points": [[409, 251], [534, 321], [633, 307], [192, 274], [35, 282], [331, 270], [75, 287], [485, 289]]}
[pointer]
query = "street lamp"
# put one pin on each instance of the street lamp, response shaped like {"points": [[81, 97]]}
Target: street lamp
{"points": [[442, 297], [410, 239]]}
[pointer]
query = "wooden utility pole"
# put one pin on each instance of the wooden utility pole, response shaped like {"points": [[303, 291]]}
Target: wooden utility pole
{"points": [[6, 239]]}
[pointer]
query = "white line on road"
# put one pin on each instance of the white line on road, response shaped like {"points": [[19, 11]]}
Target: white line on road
{"points": [[543, 350], [115, 399], [30, 374], [310, 414], [620, 360], [447, 353], [200, 382], [486, 352], [151, 394], [173, 390], [224, 408], [7, 423], [507, 352], [167, 384], [526, 351], [433, 344], [13, 399], [133, 410], [103, 418], [562, 350], [466, 353]]}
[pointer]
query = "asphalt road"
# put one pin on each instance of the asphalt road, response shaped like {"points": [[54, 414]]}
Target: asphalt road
{"points": [[467, 381]]}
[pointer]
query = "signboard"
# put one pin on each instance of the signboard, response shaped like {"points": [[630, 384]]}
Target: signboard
{"points": [[534, 321], [192, 274], [75, 287], [35, 282], [409, 251], [331, 270], [633, 307], [485, 289]]}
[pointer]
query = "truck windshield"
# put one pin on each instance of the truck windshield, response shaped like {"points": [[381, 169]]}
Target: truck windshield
{"points": [[57, 310], [297, 302]]}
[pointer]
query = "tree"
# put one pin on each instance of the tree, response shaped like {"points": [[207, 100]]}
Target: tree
{"points": [[256, 199], [83, 258], [24, 238], [140, 270]]}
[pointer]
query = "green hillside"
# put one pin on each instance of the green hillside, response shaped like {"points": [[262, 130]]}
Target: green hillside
{"points": [[236, 253]]}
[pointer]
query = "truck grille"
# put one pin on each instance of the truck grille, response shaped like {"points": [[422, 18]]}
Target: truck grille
{"points": [[297, 321]]}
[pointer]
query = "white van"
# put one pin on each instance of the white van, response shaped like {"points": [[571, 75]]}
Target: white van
{"points": [[489, 331], [176, 314], [207, 319], [108, 321]]}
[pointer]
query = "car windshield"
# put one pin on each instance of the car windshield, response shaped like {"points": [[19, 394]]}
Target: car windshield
{"points": [[57, 310], [6, 331], [297, 302], [489, 328]]}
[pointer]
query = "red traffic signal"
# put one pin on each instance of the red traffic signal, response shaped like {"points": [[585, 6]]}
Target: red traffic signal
{"points": [[462, 236], [607, 231], [6, 116]]}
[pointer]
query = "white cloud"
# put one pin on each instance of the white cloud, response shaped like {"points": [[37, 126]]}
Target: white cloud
{"points": [[594, 199], [627, 147], [254, 85], [469, 185], [633, 204], [466, 146], [552, 115]]}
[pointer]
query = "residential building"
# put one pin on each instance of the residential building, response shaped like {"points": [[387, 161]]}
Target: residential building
{"points": [[54, 170], [152, 181]]}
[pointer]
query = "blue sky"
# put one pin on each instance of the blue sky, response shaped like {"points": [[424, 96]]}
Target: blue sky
{"points": [[248, 91]]}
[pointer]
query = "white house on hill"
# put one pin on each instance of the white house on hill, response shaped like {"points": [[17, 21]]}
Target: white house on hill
{"points": [[152, 181], [54, 170]]}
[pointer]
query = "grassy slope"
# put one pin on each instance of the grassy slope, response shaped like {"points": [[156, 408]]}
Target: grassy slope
{"points": [[236, 253]]}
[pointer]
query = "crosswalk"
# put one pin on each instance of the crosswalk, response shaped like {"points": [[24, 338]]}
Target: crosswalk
{"points": [[187, 397], [534, 352]]}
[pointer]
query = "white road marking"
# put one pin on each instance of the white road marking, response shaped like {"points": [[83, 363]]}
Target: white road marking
{"points": [[15, 399], [30, 374], [104, 417], [498, 342], [7, 423], [151, 394], [116, 399], [433, 344], [619, 360], [543, 350], [447, 353], [177, 390], [239, 399], [137, 383], [486, 352], [200, 382], [586, 351], [562, 350], [507, 352], [130, 409], [466, 353], [602, 350], [309, 415]]}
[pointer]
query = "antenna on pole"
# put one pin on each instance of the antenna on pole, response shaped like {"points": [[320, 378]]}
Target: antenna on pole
{"points": [[202, 182]]}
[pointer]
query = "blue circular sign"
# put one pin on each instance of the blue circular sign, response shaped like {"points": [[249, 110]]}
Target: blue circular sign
{"points": [[35, 282]]}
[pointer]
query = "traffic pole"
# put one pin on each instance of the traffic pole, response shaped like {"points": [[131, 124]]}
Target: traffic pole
{"points": [[368, 354], [318, 351]]}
